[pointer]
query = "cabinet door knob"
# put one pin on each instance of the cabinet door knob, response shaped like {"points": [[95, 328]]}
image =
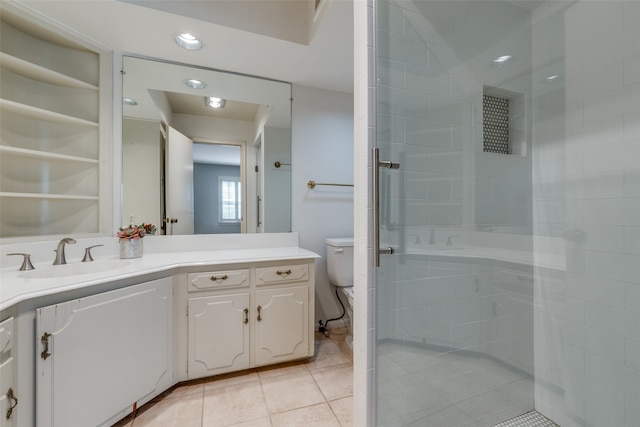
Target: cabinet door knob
{"points": [[246, 316], [259, 314], [11, 396], [281, 273], [216, 278]]}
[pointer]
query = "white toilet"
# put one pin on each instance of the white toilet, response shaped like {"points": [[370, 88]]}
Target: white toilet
{"points": [[340, 271]]}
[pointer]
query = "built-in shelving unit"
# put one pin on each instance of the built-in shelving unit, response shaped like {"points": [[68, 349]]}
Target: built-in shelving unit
{"points": [[52, 117]]}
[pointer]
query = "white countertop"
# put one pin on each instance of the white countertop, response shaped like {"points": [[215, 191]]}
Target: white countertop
{"points": [[17, 286]]}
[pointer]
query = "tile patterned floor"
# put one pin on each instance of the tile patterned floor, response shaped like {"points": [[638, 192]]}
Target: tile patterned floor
{"points": [[530, 419], [315, 392]]}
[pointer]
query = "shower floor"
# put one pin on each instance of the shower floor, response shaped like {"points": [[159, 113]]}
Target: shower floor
{"points": [[530, 419]]}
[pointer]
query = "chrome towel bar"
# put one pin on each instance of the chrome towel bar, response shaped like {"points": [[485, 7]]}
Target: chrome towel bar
{"points": [[312, 184]]}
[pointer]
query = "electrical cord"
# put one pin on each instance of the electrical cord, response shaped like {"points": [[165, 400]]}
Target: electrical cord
{"points": [[325, 328]]}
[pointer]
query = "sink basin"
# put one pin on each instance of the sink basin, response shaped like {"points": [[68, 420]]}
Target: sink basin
{"points": [[75, 269]]}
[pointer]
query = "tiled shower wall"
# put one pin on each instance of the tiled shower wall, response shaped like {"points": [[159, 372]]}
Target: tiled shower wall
{"points": [[587, 212]]}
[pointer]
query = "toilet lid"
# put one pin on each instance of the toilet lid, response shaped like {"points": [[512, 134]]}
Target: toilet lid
{"points": [[340, 242]]}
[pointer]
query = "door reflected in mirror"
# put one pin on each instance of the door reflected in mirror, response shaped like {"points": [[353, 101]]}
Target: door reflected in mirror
{"points": [[168, 127]]}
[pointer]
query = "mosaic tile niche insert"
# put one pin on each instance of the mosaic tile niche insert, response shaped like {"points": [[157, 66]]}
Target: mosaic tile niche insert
{"points": [[502, 128]]}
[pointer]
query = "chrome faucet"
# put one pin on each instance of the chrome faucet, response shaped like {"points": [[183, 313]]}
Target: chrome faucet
{"points": [[60, 258]]}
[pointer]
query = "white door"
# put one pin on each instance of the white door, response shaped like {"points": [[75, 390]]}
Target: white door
{"points": [[218, 334], [282, 324], [8, 390], [8, 394], [99, 357], [179, 183]]}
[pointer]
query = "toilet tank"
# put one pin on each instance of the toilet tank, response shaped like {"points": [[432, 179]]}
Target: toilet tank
{"points": [[340, 261]]}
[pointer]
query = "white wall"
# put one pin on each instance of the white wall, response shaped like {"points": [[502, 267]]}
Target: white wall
{"points": [[277, 181], [141, 169], [322, 151], [587, 211]]}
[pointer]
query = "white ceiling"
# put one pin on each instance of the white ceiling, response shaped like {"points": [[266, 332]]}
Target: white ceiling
{"points": [[325, 62], [216, 154]]}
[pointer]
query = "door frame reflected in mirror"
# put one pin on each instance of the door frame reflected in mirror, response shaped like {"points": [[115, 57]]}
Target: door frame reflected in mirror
{"points": [[246, 191]]}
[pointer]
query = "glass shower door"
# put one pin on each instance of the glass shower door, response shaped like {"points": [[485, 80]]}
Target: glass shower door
{"points": [[514, 215], [454, 300]]}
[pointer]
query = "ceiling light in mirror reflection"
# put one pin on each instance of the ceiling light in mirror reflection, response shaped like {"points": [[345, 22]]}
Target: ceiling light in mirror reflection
{"points": [[501, 60], [214, 102]]}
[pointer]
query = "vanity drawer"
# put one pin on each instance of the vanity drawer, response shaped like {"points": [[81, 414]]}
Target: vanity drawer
{"points": [[218, 280], [282, 274]]}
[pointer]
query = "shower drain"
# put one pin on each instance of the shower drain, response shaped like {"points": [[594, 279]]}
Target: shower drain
{"points": [[530, 419]]}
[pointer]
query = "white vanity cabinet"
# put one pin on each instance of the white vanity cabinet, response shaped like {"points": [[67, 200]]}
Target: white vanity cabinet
{"points": [[236, 324], [283, 326], [8, 389], [100, 357]]}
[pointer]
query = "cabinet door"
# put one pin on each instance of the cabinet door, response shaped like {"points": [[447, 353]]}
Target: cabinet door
{"points": [[7, 382], [218, 334], [8, 390], [281, 324], [100, 356]]}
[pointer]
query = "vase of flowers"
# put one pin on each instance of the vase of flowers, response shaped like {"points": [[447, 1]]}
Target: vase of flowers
{"points": [[149, 229], [130, 239]]}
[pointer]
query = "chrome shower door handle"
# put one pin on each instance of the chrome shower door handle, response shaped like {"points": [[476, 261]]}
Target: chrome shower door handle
{"points": [[377, 164]]}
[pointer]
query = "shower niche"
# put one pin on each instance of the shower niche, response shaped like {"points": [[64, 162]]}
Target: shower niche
{"points": [[503, 121]]}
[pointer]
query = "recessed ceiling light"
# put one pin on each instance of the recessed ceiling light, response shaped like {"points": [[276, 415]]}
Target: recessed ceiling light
{"points": [[502, 59], [195, 83], [129, 101], [214, 102], [188, 41], [553, 77]]}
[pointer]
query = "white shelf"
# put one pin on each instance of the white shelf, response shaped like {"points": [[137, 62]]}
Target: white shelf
{"points": [[42, 74], [44, 155], [40, 114], [42, 196], [54, 106]]}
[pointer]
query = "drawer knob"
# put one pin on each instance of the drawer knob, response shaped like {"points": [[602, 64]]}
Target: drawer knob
{"points": [[283, 273], [216, 278]]}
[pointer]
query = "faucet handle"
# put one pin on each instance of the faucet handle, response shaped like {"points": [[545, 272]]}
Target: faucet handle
{"points": [[26, 262], [449, 242], [87, 253]]}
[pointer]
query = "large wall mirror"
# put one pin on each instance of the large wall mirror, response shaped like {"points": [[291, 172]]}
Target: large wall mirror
{"points": [[194, 165]]}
